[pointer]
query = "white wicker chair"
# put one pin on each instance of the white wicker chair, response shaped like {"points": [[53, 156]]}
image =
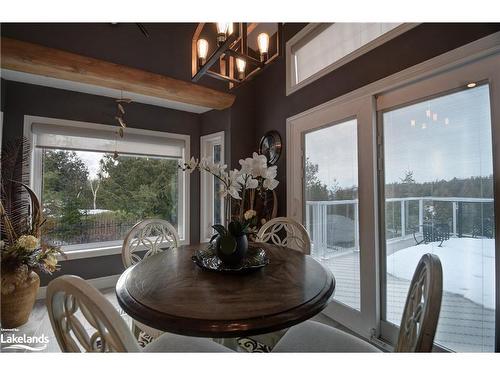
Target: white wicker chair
{"points": [[283, 231], [418, 324], [75, 308], [286, 232], [146, 238]]}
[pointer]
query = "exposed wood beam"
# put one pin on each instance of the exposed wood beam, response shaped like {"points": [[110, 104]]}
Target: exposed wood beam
{"points": [[36, 59]]}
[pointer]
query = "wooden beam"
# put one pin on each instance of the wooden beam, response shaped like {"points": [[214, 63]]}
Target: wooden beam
{"points": [[36, 59]]}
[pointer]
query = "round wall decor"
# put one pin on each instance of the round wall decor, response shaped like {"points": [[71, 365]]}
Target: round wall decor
{"points": [[270, 146]]}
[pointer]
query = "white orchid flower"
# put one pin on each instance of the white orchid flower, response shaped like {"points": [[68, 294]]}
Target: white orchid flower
{"points": [[271, 172], [259, 165], [247, 181], [246, 165], [270, 183], [191, 164]]}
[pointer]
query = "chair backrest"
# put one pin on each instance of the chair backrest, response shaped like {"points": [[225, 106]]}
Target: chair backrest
{"points": [[84, 320], [146, 238], [283, 231], [423, 303]]}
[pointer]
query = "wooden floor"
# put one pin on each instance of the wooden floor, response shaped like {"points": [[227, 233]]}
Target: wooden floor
{"points": [[39, 324], [464, 326]]}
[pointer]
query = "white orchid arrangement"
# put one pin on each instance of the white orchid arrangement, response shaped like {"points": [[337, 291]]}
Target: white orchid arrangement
{"points": [[253, 174]]}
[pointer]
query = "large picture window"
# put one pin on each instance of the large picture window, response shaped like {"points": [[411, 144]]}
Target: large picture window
{"points": [[94, 186]]}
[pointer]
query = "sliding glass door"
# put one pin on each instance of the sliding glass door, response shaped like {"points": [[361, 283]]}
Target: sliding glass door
{"points": [[385, 176], [331, 197], [437, 173], [331, 204]]}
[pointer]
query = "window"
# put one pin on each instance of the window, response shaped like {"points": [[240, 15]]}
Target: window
{"points": [[439, 199], [212, 204], [427, 135], [320, 48], [331, 204], [92, 196]]}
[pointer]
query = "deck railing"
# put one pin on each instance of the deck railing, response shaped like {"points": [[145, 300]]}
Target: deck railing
{"points": [[334, 225]]}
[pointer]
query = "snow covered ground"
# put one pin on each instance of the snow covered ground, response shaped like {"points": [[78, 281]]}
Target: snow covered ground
{"points": [[468, 266]]}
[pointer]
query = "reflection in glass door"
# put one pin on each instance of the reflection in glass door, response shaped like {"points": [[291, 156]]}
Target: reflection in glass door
{"points": [[331, 205], [438, 181]]}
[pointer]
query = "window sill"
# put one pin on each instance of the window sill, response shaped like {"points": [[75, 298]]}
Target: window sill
{"points": [[90, 253], [96, 252]]}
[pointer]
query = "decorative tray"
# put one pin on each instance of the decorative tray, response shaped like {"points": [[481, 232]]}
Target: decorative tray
{"points": [[207, 259]]}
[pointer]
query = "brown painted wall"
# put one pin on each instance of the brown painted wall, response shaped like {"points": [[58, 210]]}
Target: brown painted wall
{"points": [[23, 99], [273, 107]]}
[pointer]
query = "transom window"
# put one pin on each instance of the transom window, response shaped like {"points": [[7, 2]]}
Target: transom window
{"points": [[320, 48]]}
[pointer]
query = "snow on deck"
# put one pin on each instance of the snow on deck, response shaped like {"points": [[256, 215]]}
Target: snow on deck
{"points": [[468, 266], [464, 325]]}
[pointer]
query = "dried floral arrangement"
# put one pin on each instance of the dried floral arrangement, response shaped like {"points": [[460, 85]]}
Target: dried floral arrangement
{"points": [[21, 219]]}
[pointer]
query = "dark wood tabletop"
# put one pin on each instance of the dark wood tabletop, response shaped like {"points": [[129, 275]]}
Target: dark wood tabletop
{"points": [[168, 291]]}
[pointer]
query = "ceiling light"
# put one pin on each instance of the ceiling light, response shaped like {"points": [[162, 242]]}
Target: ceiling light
{"points": [[471, 85], [202, 46], [222, 28], [263, 42], [240, 66]]}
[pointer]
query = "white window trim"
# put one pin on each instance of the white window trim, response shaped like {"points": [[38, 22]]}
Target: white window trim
{"points": [[475, 51], [308, 32], [113, 247], [207, 142]]}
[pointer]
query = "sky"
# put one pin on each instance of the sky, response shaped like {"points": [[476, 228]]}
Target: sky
{"points": [[91, 160], [441, 138]]}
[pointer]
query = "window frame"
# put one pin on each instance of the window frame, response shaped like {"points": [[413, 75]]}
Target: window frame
{"points": [[79, 251], [455, 80], [470, 59], [207, 194], [312, 30]]}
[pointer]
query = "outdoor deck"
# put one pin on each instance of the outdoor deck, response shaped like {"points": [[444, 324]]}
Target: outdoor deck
{"points": [[464, 326]]}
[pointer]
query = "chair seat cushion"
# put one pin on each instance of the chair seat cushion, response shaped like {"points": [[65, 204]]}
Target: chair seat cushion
{"points": [[314, 337], [170, 343]]}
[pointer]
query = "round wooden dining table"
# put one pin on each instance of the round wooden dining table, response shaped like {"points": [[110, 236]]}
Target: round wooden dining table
{"points": [[169, 292]]}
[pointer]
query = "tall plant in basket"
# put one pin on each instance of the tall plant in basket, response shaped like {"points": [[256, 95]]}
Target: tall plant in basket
{"points": [[230, 240], [22, 253]]}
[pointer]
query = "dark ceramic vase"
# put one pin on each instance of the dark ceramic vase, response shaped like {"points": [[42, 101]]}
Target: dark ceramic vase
{"points": [[231, 253]]}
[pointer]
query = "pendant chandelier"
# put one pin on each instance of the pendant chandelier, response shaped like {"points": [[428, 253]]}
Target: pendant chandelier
{"points": [[236, 51]]}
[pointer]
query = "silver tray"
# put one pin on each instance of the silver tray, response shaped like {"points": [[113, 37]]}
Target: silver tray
{"points": [[255, 259]]}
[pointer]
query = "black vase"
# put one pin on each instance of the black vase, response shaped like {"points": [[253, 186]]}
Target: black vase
{"points": [[236, 255]]}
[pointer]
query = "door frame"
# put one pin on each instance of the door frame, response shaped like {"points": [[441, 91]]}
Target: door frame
{"points": [[365, 320], [460, 57], [481, 71]]}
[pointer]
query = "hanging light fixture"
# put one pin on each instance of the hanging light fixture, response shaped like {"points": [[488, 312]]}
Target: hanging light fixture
{"points": [[222, 28], [240, 67], [243, 50], [202, 49], [263, 43]]}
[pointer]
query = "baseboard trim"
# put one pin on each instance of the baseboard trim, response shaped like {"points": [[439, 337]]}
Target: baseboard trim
{"points": [[99, 283]]}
